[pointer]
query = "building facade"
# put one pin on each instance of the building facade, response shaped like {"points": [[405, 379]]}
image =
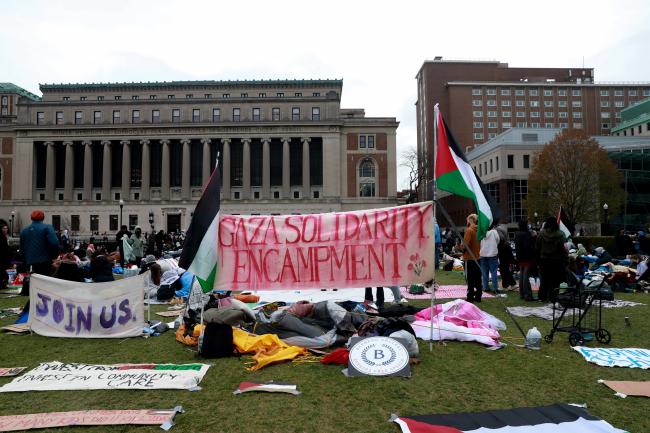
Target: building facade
{"points": [[95, 155], [635, 120], [504, 163], [482, 99]]}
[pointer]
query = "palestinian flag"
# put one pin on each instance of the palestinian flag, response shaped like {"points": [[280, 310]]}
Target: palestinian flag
{"points": [[563, 222], [557, 418], [267, 387], [454, 174], [200, 248]]}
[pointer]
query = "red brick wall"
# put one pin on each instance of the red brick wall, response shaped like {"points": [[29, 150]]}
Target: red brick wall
{"points": [[352, 141], [5, 163], [7, 145], [381, 174], [382, 141]]}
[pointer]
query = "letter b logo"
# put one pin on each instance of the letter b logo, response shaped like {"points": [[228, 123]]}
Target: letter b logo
{"points": [[379, 354]]}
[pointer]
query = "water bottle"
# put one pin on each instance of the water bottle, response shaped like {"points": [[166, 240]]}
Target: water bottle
{"points": [[533, 339]]}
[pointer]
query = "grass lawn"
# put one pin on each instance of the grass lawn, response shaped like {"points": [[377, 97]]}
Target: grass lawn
{"points": [[455, 377]]}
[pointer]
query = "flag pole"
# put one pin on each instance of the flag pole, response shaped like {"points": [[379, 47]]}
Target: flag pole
{"points": [[435, 251]]}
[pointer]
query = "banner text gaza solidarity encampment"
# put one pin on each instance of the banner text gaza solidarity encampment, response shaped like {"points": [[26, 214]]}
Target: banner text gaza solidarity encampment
{"points": [[378, 247]]}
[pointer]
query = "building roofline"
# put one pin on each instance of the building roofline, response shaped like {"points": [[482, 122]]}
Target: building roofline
{"points": [[190, 83], [547, 83], [12, 88]]}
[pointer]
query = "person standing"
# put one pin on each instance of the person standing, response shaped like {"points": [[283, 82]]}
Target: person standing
{"points": [[5, 254], [137, 244], [525, 249], [552, 257], [120, 243], [506, 258], [39, 244], [471, 253], [490, 259], [160, 242]]}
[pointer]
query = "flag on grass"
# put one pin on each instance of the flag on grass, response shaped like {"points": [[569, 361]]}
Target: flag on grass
{"points": [[454, 174], [287, 388], [563, 222], [557, 418], [200, 248]]}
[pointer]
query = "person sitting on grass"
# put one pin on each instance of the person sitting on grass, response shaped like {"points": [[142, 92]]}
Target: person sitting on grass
{"points": [[101, 268]]}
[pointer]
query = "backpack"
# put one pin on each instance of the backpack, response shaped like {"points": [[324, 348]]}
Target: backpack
{"points": [[416, 290], [217, 341], [165, 292]]}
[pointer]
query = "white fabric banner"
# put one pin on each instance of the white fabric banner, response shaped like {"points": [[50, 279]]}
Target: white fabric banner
{"points": [[58, 376], [628, 357], [60, 308]]}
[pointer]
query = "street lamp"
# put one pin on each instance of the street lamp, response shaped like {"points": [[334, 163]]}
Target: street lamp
{"points": [[605, 211], [121, 207], [13, 215]]}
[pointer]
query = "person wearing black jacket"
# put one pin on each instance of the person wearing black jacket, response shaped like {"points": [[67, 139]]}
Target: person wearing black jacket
{"points": [[552, 255], [525, 250], [118, 237], [5, 254]]}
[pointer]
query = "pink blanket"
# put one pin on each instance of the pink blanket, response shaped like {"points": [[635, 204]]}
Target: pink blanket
{"points": [[443, 292]]}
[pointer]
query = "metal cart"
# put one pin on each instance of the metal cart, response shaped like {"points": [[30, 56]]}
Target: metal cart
{"points": [[578, 311]]}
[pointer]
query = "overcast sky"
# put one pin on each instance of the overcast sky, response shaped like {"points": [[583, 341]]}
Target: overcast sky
{"points": [[376, 47]]}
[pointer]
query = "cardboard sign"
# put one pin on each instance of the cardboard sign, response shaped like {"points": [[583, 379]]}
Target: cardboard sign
{"points": [[164, 418], [378, 356], [628, 357], [60, 308], [12, 371], [56, 376], [377, 247]]}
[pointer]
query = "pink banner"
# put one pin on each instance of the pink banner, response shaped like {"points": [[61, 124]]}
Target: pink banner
{"points": [[377, 247]]}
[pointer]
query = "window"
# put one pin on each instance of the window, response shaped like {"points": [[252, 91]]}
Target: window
{"points": [[366, 141], [511, 161], [189, 96], [117, 97], [298, 95], [97, 117], [196, 115], [74, 223], [256, 114], [492, 114], [521, 124], [244, 95], [534, 114], [526, 161], [576, 104], [618, 104], [40, 118], [492, 125], [276, 194], [505, 103], [491, 166], [548, 103], [491, 103], [315, 113], [367, 178], [477, 113], [262, 95], [561, 103], [534, 103], [564, 125], [519, 92], [116, 116], [135, 97], [135, 116], [520, 114], [639, 129], [59, 117], [133, 221], [497, 163], [548, 125], [631, 92], [604, 104], [153, 97], [66, 98], [604, 115], [478, 136], [563, 114], [296, 194], [83, 98], [236, 114], [646, 92], [226, 95], [604, 93], [492, 134], [208, 96], [476, 92], [533, 92], [94, 223], [520, 103], [78, 117], [316, 194], [216, 114], [618, 93], [171, 96], [561, 92], [548, 92], [548, 114], [155, 116], [100, 98], [577, 115], [236, 195], [315, 94], [605, 125], [506, 125], [295, 113], [176, 115], [577, 125], [478, 124], [280, 94], [477, 103], [275, 113], [112, 223], [505, 92], [576, 92], [506, 114]]}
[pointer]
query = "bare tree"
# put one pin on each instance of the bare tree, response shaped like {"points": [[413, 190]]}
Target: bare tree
{"points": [[574, 172], [416, 169]]}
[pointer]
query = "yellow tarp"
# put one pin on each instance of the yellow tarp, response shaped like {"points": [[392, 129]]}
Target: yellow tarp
{"points": [[267, 348]]}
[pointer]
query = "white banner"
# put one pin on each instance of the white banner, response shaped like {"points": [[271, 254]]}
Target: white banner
{"points": [[60, 308], [628, 357], [58, 376]]}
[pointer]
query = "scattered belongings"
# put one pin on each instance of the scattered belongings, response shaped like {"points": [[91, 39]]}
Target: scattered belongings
{"points": [[16, 329], [558, 418], [625, 388], [546, 311], [8, 312], [59, 376], [275, 387], [171, 313], [11, 371], [266, 349], [442, 292], [628, 357], [164, 418], [378, 356]]}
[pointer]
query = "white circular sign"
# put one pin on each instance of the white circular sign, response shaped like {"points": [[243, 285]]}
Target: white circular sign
{"points": [[378, 356]]}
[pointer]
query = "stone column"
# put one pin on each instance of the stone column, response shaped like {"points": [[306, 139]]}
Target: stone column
{"points": [[126, 169], [69, 169], [246, 184], [286, 170], [306, 188], [49, 171], [205, 173], [225, 181], [185, 179], [88, 170], [266, 168], [165, 178], [106, 171], [145, 192]]}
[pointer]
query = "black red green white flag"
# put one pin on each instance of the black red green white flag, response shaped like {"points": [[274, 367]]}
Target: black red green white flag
{"points": [[199, 254], [455, 175], [557, 418], [563, 223]]}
